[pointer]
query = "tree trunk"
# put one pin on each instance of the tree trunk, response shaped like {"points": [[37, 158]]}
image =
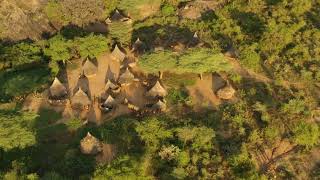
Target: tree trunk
{"points": [[160, 74], [201, 76]]}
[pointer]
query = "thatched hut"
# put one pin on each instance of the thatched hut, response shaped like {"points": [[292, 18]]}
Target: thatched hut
{"points": [[89, 68], [157, 91], [226, 93], [117, 16], [110, 85], [138, 46], [126, 78], [118, 54], [109, 102], [160, 106], [57, 90], [90, 145], [80, 99]]}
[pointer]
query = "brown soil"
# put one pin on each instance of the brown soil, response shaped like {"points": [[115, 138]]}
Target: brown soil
{"points": [[147, 10], [202, 93]]}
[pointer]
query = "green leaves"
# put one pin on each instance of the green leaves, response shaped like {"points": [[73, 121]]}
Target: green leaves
{"points": [[198, 60], [16, 130], [306, 134], [92, 45], [202, 60], [158, 61], [59, 48], [19, 54], [153, 131]]}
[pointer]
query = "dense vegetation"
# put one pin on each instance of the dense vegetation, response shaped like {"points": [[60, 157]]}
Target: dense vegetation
{"points": [[277, 108]]}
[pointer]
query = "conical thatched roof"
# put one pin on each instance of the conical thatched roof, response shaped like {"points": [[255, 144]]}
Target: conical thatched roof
{"points": [[109, 101], [157, 90], [89, 68], [226, 93], [57, 89], [195, 35], [137, 45], [117, 16], [80, 98], [108, 21], [160, 105], [126, 78], [110, 85], [118, 54], [90, 145]]}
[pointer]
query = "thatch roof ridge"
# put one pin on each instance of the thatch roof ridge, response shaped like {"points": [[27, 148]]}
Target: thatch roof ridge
{"points": [[80, 97], [195, 35], [160, 105], [57, 88], [89, 68], [109, 85], [118, 54], [90, 144], [157, 90], [126, 77], [109, 101]]}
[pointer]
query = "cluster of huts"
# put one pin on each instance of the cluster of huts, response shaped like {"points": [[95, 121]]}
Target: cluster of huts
{"points": [[81, 99]]}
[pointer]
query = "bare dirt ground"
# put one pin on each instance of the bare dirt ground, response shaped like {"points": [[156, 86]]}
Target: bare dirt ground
{"points": [[108, 68], [202, 93]]}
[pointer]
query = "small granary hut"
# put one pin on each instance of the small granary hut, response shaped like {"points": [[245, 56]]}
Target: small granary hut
{"points": [[226, 93], [118, 54], [109, 102], [117, 16], [89, 68], [57, 90], [160, 106], [126, 78], [138, 46], [80, 99], [90, 145], [110, 85], [157, 91]]}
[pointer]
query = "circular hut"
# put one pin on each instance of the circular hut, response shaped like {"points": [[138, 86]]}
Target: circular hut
{"points": [[57, 90], [157, 91], [89, 68], [80, 99], [126, 78], [118, 54], [90, 145]]}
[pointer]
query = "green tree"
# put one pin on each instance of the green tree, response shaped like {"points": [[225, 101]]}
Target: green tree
{"points": [[59, 49], [91, 45], [19, 54], [153, 131], [158, 62], [16, 130], [121, 32], [306, 134], [202, 60]]}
